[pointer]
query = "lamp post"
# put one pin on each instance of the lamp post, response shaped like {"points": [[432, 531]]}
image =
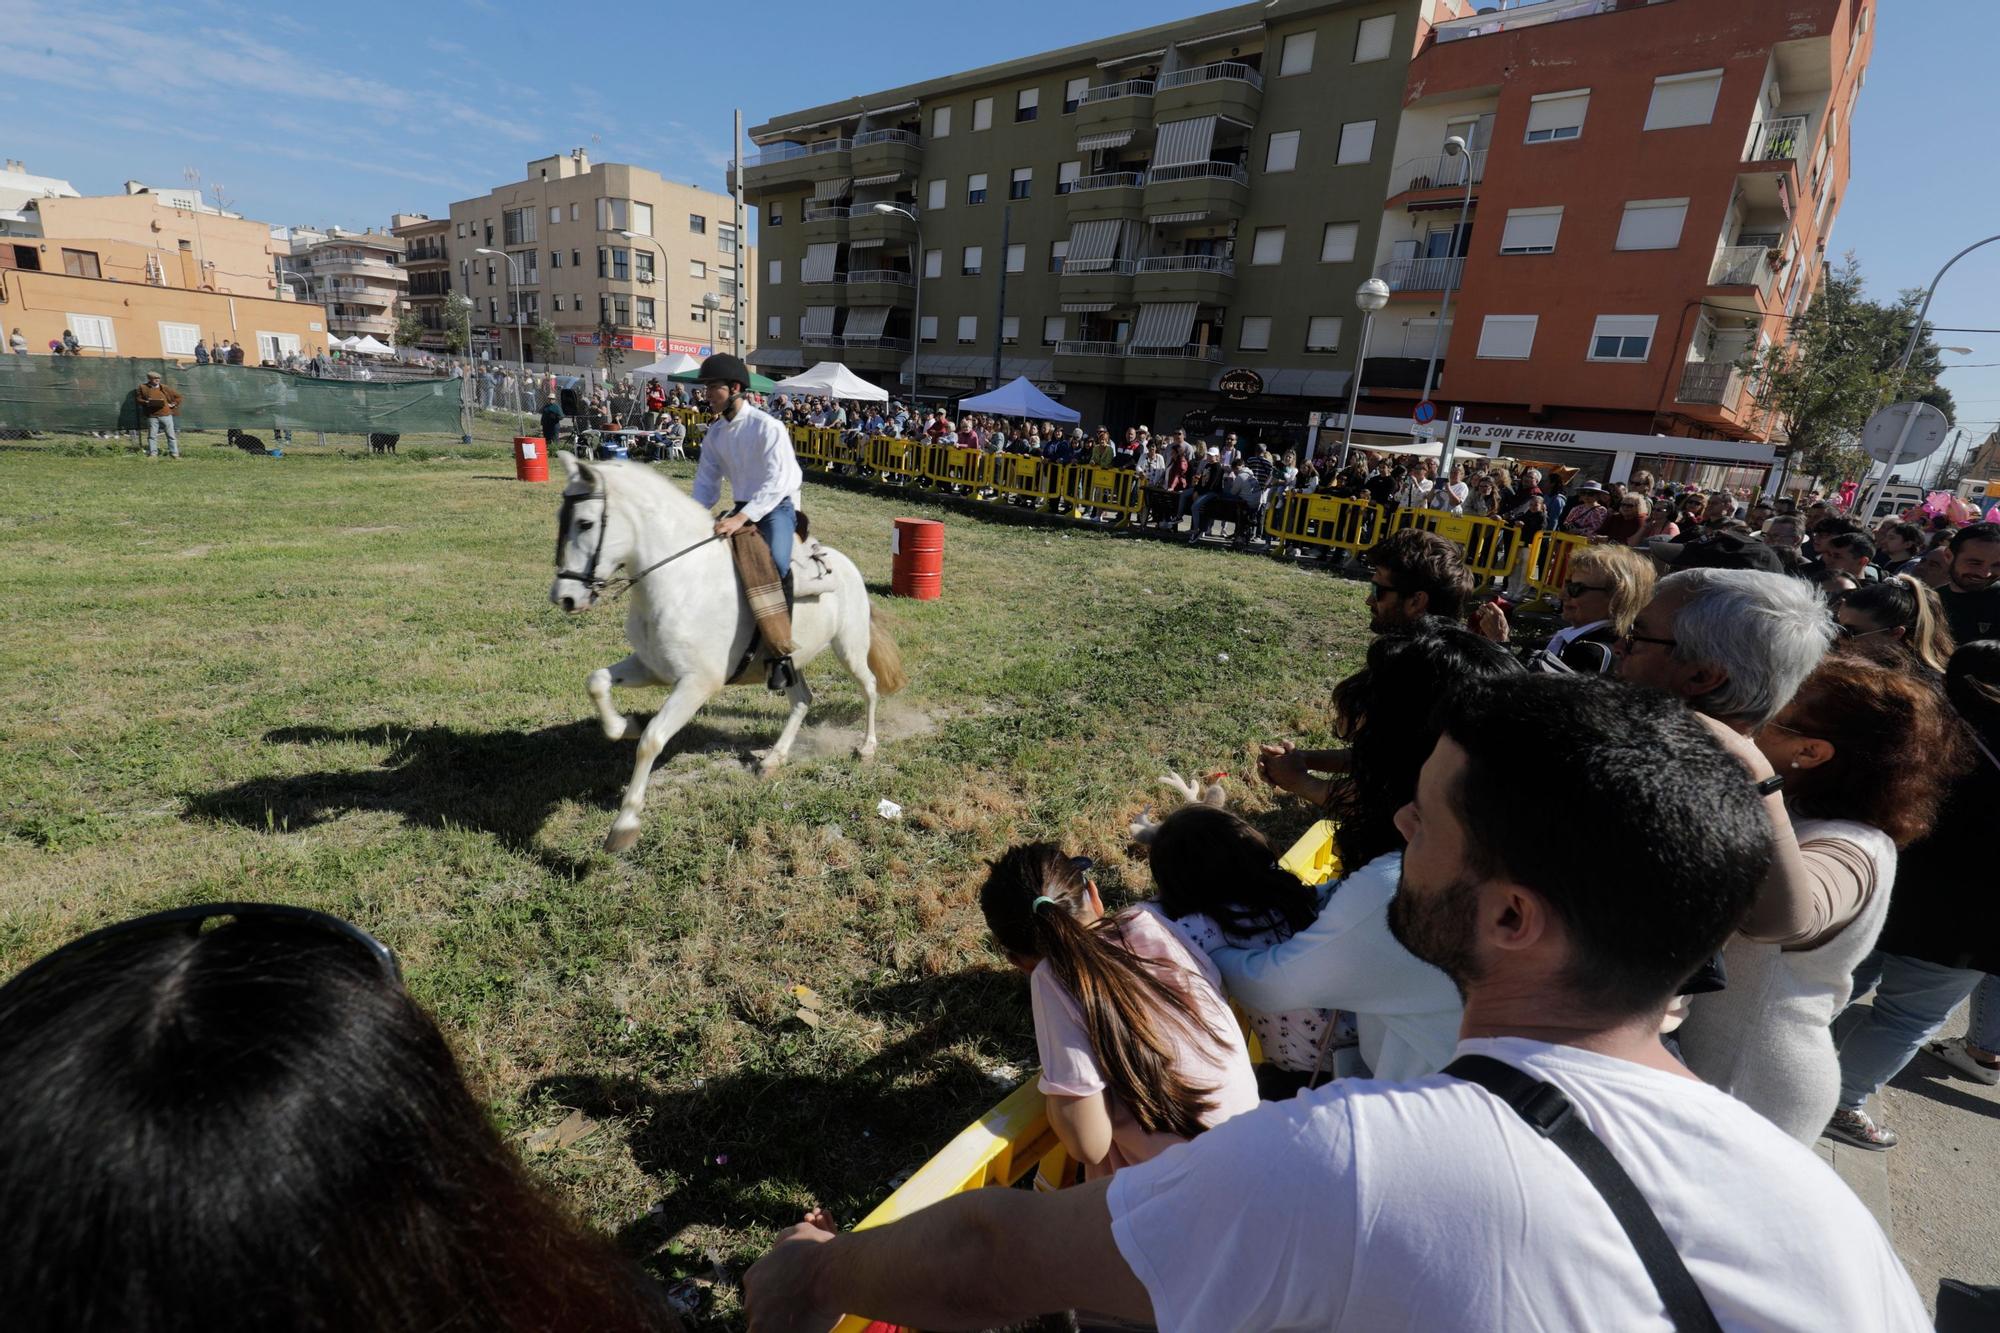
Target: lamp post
{"points": [[917, 319], [712, 303], [666, 303], [1902, 366], [1370, 297], [1453, 147], [513, 300]]}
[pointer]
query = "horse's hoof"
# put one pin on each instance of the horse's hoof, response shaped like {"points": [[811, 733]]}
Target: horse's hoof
{"points": [[621, 838], [865, 750], [616, 727], [769, 765]]}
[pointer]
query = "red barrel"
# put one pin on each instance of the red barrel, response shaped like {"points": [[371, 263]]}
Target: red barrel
{"points": [[918, 568], [531, 458]]}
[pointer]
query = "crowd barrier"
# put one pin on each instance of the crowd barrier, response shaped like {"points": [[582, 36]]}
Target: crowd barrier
{"points": [[1014, 1138]]}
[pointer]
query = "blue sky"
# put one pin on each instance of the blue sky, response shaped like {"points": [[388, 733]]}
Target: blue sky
{"points": [[345, 114]]}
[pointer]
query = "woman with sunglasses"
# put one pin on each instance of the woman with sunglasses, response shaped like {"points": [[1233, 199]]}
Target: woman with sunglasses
{"points": [[1901, 610], [1603, 592], [1864, 754], [1138, 1048], [234, 1117]]}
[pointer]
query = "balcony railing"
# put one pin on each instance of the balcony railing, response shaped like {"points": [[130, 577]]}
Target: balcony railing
{"points": [[1089, 349], [1742, 266], [1111, 91], [1778, 140], [889, 275], [1188, 264], [1442, 171], [1422, 275], [792, 151], [832, 212], [883, 344], [1525, 16], [1223, 69], [820, 339], [1189, 352], [1073, 268], [1192, 171], [1110, 180], [885, 136], [1714, 382], [822, 282]]}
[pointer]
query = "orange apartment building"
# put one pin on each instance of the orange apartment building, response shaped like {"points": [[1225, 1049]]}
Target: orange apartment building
{"points": [[1653, 185]]}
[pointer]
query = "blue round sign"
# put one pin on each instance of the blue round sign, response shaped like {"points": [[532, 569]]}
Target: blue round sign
{"points": [[1426, 412]]}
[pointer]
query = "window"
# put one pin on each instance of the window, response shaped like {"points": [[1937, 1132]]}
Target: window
{"points": [[1268, 247], [975, 188], [697, 224], [614, 263], [927, 330], [982, 114], [1683, 99], [697, 314], [1281, 152], [777, 277], [1554, 116], [1010, 330], [1297, 54], [1374, 37], [1066, 175], [774, 216], [1652, 224], [725, 237], [1022, 183], [972, 261], [1052, 330], [1336, 244], [934, 196], [517, 226], [773, 326], [461, 231], [1323, 333], [697, 269], [933, 263], [576, 259], [559, 303], [81, 264], [614, 214], [941, 123], [575, 212], [178, 339], [644, 307], [1622, 337], [1073, 92], [1017, 259], [530, 264], [1530, 231], [1357, 142], [968, 329], [555, 215], [1027, 104], [555, 259], [1058, 252], [1254, 334], [1508, 337], [642, 218]]}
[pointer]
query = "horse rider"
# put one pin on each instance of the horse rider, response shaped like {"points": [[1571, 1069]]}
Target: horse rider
{"points": [[753, 452]]}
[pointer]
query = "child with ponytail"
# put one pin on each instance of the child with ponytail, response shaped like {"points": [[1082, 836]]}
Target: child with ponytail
{"points": [[1138, 1049]]}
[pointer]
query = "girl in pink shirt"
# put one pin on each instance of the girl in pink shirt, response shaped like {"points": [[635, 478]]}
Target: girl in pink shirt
{"points": [[1138, 1049]]}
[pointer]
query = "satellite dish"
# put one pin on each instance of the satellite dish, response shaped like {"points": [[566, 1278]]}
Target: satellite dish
{"points": [[1926, 433]]}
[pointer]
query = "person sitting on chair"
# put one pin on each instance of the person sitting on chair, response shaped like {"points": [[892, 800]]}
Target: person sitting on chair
{"points": [[753, 452]]}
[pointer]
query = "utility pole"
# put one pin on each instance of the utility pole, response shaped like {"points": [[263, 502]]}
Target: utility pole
{"points": [[742, 238], [1000, 316]]}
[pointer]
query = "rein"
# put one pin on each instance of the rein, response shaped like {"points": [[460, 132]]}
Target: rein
{"points": [[588, 578]]}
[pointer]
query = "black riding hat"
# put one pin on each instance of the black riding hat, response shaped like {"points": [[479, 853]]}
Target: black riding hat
{"points": [[725, 369]]}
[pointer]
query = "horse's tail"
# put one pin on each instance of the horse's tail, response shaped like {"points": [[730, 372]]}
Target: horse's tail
{"points": [[885, 659]]}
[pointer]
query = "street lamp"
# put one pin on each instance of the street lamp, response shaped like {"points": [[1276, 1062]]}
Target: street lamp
{"points": [[1370, 297], [666, 304], [712, 303], [514, 301], [917, 322], [1453, 147]]}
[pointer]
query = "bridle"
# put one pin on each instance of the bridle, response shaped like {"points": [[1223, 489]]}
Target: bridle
{"points": [[588, 577]]}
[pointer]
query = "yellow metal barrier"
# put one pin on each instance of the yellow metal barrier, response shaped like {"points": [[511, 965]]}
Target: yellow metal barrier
{"points": [[1027, 477], [1492, 548], [815, 445], [1117, 490], [1325, 520], [1548, 559], [949, 465], [895, 458]]}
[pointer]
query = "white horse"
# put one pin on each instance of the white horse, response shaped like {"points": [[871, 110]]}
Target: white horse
{"points": [[689, 622]]}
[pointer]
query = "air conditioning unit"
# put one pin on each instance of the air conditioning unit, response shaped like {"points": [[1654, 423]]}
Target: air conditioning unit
{"points": [[646, 278]]}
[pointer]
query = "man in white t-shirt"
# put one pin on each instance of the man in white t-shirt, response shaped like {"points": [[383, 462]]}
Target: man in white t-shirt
{"points": [[1433, 1205]]}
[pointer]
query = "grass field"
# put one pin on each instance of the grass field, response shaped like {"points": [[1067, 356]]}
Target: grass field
{"points": [[336, 680]]}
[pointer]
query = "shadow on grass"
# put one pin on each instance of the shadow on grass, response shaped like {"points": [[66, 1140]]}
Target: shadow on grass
{"points": [[740, 1150]]}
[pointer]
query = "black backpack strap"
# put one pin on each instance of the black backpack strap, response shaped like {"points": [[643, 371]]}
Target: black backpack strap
{"points": [[1551, 1115]]}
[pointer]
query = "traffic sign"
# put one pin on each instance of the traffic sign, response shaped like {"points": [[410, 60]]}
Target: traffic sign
{"points": [[1886, 427], [1458, 416], [1424, 430], [1425, 413]]}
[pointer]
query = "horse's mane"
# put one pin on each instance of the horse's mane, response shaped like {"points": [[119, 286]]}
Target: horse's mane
{"points": [[648, 488]]}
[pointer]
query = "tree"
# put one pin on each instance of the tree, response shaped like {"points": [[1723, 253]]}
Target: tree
{"points": [[1838, 367], [409, 328], [545, 341], [457, 323], [608, 353]]}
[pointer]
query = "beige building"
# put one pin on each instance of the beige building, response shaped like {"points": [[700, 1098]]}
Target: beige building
{"points": [[356, 275], [427, 263], [561, 253], [18, 185], [160, 238]]}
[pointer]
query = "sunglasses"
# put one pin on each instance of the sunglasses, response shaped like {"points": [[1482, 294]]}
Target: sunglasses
{"points": [[1579, 589], [1849, 632], [190, 921]]}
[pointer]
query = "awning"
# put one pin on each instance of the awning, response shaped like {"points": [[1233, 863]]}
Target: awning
{"points": [[831, 189], [1184, 141], [866, 243], [779, 358], [1164, 325], [866, 321], [882, 179], [1085, 307], [951, 364], [1090, 143], [818, 321], [1091, 245], [1294, 383], [1164, 219], [819, 262]]}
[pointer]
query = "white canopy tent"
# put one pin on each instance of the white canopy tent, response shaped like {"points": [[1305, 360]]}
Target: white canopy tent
{"points": [[369, 346], [830, 379], [674, 363]]}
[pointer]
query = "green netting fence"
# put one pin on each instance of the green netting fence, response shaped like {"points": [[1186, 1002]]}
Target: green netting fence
{"points": [[66, 393]]}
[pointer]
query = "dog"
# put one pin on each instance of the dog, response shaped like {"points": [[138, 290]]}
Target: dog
{"points": [[379, 443], [247, 442]]}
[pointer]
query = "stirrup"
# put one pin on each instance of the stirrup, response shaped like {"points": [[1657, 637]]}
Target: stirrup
{"points": [[783, 676]]}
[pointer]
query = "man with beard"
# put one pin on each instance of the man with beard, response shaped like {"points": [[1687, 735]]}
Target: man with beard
{"points": [[1972, 598], [1436, 1203]]}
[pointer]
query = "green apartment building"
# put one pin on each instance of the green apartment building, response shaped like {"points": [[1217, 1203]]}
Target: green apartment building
{"points": [[1132, 223]]}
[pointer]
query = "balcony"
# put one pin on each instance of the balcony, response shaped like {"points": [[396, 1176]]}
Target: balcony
{"points": [[878, 153], [882, 355], [1097, 362], [1188, 367], [1195, 191], [1422, 275], [1226, 88], [381, 325], [1113, 115], [330, 265], [1525, 16], [369, 296], [1716, 383], [866, 228], [822, 223], [1744, 266], [1115, 194], [783, 166], [1209, 280], [1401, 372], [880, 286], [1441, 171], [1104, 282], [1781, 139]]}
